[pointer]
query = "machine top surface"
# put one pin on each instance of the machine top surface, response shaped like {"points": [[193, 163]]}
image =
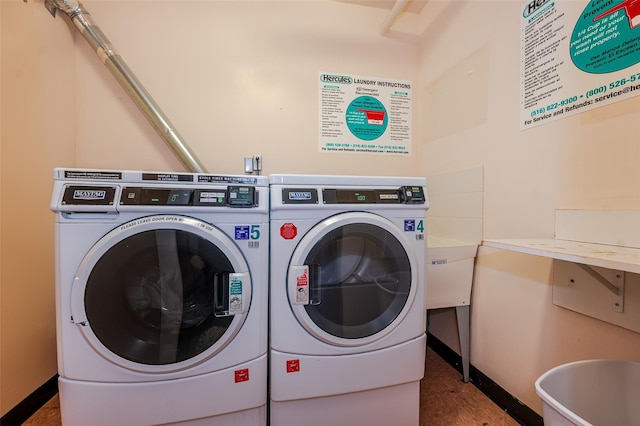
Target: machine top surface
{"points": [[345, 180], [136, 176]]}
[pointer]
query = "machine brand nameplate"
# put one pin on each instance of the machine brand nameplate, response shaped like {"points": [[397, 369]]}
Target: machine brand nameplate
{"points": [[300, 196], [88, 195]]}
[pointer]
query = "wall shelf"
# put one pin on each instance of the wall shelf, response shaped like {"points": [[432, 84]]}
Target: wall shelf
{"points": [[625, 259], [595, 255]]}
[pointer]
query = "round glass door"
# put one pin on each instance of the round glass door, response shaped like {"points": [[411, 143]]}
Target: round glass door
{"points": [[360, 278], [162, 293]]}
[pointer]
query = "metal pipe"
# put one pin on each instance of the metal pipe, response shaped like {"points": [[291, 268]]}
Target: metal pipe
{"points": [[391, 17], [127, 79]]}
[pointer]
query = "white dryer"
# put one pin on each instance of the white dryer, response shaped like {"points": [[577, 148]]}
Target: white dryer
{"points": [[347, 299], [161, 297]]}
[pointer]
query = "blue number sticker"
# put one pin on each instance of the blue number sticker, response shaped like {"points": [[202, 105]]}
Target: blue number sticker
{"points": [[242, 232], [409, 225]]}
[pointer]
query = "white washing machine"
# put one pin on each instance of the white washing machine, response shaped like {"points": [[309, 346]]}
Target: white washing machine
{"points": [[347, 300], [161, 297]]}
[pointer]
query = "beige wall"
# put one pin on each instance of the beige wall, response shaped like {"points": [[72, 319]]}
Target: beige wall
{"points": [[239, 78], [37, 133], [236, 78], [588, 161]]}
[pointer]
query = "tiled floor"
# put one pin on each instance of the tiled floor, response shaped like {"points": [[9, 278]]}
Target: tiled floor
{"points": [[445, 401]]}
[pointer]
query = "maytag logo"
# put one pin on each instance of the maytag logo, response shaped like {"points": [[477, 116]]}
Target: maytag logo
{"points": [[300, 195], [86, 194]]}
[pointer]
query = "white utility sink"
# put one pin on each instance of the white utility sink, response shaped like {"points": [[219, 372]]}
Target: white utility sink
{"points": [[449, 272]]}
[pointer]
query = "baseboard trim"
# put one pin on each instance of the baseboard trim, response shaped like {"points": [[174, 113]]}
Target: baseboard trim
{"points": [[503, 399], [32, 403]]}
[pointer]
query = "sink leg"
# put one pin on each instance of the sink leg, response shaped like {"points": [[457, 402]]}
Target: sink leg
{"points": [[464, 322]]}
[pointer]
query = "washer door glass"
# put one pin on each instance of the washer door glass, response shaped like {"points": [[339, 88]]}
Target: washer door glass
{"points": [[163, 293], [359, 276]]}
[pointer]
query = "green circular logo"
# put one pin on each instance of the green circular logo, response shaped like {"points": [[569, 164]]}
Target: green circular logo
{"points": [[606, 37], [366, 118]]}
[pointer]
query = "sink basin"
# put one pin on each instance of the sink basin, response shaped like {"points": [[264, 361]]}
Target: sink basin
{"points": [[449, 272]]}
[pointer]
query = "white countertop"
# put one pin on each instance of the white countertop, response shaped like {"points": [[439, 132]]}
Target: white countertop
{"points": [[606, 256]]}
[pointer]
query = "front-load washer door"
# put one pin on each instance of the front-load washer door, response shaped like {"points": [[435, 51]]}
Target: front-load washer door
{"points": [[352, 279], [161, 293]]}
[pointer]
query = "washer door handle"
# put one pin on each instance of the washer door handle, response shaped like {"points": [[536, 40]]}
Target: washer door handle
{"points": [[231, 293], [303, 285], [78, 315]]}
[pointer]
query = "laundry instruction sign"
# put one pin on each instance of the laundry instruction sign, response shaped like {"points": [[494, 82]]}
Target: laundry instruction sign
{"points": [[364, 114], [576, 56]]}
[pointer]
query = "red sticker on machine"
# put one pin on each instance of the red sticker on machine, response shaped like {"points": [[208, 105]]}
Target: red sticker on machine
{"points": [[241, 375], [288, 231], [302, 287], [293, 365]]}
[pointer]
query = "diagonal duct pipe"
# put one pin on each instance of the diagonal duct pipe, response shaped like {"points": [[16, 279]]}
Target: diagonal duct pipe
{"points": [[390, 19], [127, 79]]}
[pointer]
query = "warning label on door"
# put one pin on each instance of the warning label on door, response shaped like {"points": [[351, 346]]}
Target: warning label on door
{"points": [[302, 287]]}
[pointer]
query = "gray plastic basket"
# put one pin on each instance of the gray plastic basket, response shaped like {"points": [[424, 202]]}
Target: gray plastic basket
{"points": [[591, 393]]}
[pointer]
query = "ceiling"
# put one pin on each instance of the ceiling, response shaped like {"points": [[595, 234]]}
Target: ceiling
{"points": [[412, 6]]}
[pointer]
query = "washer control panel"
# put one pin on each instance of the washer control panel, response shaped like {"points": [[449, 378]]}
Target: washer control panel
{"points": [[403, 195], [99, 195]]}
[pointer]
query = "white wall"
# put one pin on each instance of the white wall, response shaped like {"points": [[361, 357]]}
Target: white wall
{"points": [[239, 78], [37, 134], [469, 68], [236, 78]]}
